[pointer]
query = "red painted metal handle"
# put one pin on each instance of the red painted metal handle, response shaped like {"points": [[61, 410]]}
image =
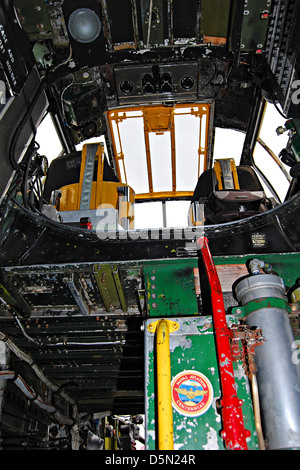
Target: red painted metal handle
{"points": [[234, 432]]}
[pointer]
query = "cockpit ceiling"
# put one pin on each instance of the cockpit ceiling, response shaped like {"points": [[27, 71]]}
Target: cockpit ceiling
{"points": [[138, 52], [153, 52], [128, 24], [172, 143], [139, 24]]}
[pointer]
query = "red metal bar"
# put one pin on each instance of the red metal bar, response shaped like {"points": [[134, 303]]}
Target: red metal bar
{"points": [[233, 432]]}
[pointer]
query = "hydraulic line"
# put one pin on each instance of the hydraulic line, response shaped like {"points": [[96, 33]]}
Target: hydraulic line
{"points": [[53, 387], [234, 432], [15, 316], [256, 409], [4, 207], [57, 344], [32, 395], [19, 129]]}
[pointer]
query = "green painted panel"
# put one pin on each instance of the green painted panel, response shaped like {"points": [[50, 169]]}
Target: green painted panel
{"points": [[215, 17], [34, 19], [170, 285], [170, 289], [255, 25], [192, 348], [157, 28]]}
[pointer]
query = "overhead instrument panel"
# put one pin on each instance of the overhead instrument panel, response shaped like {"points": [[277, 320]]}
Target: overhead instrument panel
{"points": [[156, 83]]}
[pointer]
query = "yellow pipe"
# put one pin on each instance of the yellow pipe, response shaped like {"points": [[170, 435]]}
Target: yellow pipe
{"points": [[164, 399]]}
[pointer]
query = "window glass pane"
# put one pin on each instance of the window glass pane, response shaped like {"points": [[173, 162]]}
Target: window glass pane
{"points": [[161, 163], [272, 171], [263, 160], [93, 140], [133, 147], [148, 215], [272, 120], [228, 144], [48, 139], [177, 213], [187, 144], [130, 141]]}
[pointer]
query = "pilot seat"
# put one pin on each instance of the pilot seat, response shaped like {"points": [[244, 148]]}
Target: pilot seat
{"points": [[227, 193], [83, 189]]}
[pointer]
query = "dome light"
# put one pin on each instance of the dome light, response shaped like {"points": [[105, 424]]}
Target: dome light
{"points": [[84, 25]]}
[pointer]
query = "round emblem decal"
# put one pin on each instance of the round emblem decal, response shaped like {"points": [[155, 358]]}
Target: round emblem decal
{"points": [[192, 393]]}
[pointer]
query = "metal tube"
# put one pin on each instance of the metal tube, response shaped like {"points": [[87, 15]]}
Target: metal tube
{"points": [[107, 30], [170, 22], [278, 376], [164, 399], [234, 432], [149, 22], [278, 379], [135, 23], [256, 409]]}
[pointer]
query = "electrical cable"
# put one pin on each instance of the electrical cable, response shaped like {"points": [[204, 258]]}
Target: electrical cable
{"points": [[25, 182], [62, 100], [252, 70], [57, 344], [19, 323], [213, 75], [9, 196], [276, 106], [48, 383], [36, 188], [20, 127], [65, 62], [34, 397]]}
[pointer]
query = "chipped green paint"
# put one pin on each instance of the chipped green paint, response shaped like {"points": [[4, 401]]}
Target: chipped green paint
{"points": [[192, 347], [170, 290], [170, 284], [171, 293]]}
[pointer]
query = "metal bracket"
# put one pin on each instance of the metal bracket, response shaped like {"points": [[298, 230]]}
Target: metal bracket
{"points": [[110, 286], [172, 325], [73, 284], [264, 302], [243, 340]]}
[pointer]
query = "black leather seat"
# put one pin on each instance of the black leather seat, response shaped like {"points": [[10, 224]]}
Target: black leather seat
{"points": [[226, 205]]}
